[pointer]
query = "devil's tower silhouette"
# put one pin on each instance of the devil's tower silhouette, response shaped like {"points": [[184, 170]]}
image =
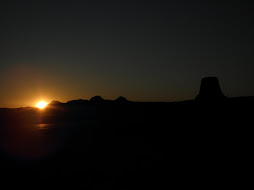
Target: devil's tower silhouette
{"points": [[210, 90]]}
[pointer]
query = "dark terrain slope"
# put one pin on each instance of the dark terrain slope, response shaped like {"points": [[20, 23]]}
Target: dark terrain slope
{"points": [[128, 145]]}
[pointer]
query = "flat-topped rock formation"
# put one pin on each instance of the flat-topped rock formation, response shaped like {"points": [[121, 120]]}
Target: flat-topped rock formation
{"points": [[210, 90]]}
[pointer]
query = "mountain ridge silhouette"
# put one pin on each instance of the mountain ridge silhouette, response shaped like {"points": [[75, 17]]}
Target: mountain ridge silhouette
{"points": [[209, 92]]}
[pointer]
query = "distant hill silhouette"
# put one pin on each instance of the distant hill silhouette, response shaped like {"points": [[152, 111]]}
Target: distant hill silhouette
{"points": [[210, 90], [121, 100], [77, 102], [54, 102], [97, 100]]}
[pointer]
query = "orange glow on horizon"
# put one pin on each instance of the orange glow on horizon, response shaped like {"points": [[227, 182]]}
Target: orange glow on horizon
{"points": [[41, 104]]}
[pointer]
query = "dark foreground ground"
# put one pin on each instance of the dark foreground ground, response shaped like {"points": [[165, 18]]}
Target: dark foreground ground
{"points": [[128, 145]]}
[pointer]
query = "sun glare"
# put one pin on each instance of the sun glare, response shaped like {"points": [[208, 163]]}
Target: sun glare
{"points": [[41, 104]]}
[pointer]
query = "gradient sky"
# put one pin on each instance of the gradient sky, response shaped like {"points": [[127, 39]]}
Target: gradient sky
{"points": [[142, 50]]}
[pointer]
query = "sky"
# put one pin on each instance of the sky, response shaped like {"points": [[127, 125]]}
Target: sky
{"points": [[142, 50]]}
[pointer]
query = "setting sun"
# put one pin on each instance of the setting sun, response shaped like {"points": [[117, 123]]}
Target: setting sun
{"points": [[41, 104]]}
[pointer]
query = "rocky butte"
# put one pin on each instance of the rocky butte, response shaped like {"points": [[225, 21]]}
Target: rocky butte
{"points": [[210, 91]]}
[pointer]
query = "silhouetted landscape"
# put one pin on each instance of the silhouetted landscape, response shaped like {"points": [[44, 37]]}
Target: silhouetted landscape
{"points": [[120, 144], [99, 94]]}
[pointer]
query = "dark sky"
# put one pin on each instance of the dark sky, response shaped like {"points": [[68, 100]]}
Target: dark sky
{"points": [[143, 50]]}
